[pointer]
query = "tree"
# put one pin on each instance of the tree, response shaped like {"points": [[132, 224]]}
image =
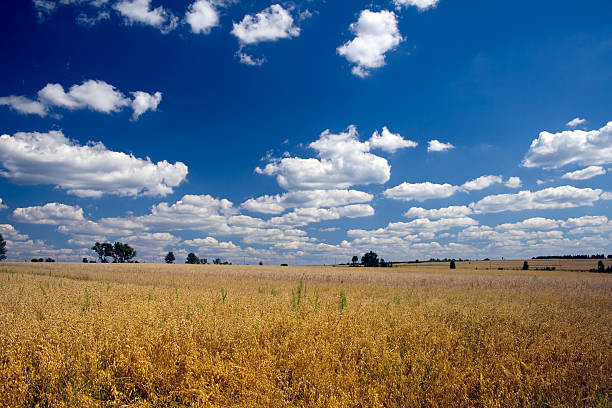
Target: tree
{"points": [[217, 261], [203, 261], [2, 248], [452, 264], [123, 253], [170, 258], [355, 259], [600, 266], [525, 266], [192, 258], [85, 260], [370, 259], [98, 249], [49, 260]]}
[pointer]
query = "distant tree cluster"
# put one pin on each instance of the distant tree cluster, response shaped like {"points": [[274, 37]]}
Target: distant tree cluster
{"points": [[601, 268], [596, 256], [370, 259], [2, 248], [42, 260], [193, 259], [120, 252]]}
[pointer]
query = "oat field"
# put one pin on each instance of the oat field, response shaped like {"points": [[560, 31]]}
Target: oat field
{"points": [[85, 335]]}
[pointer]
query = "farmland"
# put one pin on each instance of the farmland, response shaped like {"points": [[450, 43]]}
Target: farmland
{"points": [[486, 334]]}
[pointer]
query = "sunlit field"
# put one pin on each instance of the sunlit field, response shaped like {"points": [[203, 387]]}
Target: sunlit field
{"points": [[486, 334]]}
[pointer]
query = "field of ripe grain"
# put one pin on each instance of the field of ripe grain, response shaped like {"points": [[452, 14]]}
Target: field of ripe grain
{"points": [[79, 335]]}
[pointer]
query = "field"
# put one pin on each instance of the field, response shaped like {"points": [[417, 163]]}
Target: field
{"points": [[486, 334]]}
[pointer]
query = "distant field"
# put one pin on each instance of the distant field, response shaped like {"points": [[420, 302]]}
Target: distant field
{"points": [[253, 336]]}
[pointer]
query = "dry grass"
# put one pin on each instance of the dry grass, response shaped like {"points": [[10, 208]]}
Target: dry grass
{"points": [[419, 335]]}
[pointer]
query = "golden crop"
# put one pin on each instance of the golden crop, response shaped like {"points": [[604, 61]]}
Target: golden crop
{"points": [[78, 335]]}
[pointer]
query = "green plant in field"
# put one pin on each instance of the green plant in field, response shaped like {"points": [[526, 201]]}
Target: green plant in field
{"points": [[342, 300], [44, 292], [314, 301], [296, 296], [87, 300], [223, 294], [261, 291], [274, 292], [398, 300]]}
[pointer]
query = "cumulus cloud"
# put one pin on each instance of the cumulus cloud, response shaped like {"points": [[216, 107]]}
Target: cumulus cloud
{"points": [[90, 21], [481, 182], [585, 174], [202, 16], [24, 105], [554, 150], [454, 211], [86, 171], [389, 142], [2, 206], [9, 232], [96, 95], [249, 59], [420, 4], [513, 182], [50, 214], [576, 122], [420, 191], [376, 33], [437, 146], [139, 11], [549, 198], [276, 204], [343, 161], [305, 216], [271, 24], [143, 102]]}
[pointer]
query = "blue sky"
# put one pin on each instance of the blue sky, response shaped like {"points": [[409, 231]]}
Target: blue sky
{"points": [[306, 132]]}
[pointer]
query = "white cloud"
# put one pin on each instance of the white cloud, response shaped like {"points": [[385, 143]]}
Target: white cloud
{"points": [[86, 171], [536, 223], [250, 60], [343, 161], [304, 216], [2, 206], [90, 21], [202, 16], [143, 102], [585, 173], [9, 232], [437, 146], [554, 150], [375, 34], [420, 191], [276, 204], [96, 95], [389, 142], [549, 198], [454, 211], [481, 182], [271, 24], [420, 4], [51, 214], [576, 122], [514, 182], [24, 105], [139, 11]]}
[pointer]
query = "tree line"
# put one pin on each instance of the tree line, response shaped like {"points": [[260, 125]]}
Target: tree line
{"points": [[119, 252], [193, 259], [370, 260]]}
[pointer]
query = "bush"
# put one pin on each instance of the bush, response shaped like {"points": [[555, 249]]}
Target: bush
{"points": [[525, 266], [452, 264]]}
